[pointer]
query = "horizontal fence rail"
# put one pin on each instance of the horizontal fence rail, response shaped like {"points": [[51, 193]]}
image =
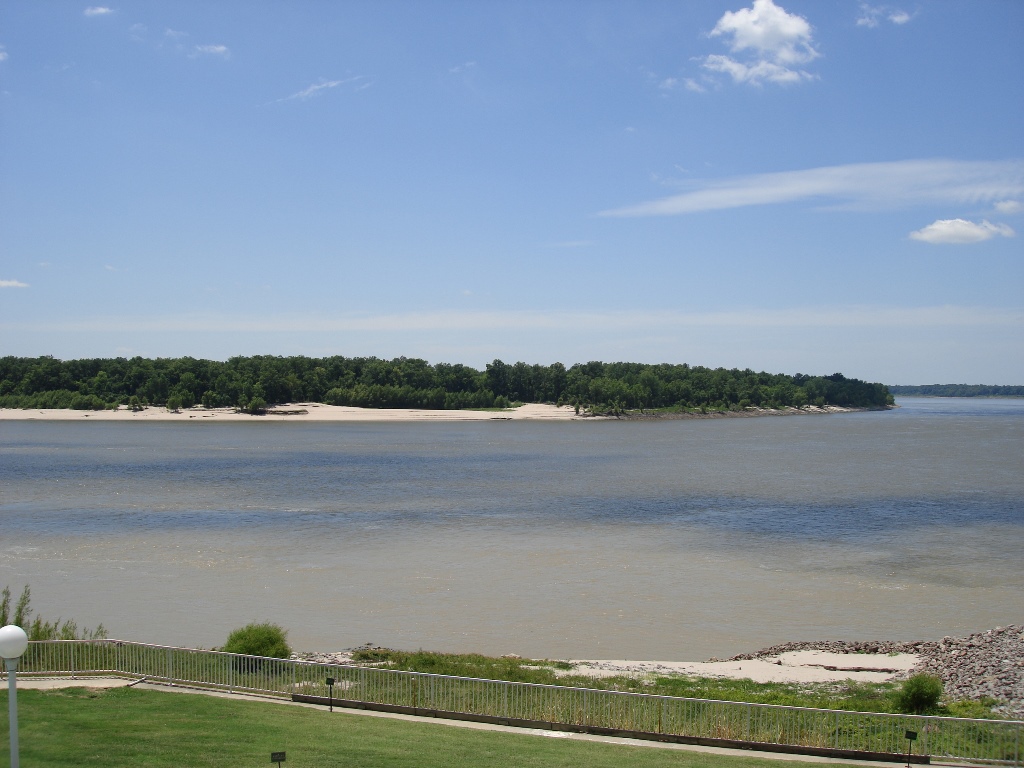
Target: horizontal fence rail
{"points": [[945, 738]]}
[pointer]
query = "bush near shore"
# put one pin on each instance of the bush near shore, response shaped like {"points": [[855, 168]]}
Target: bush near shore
{"points": [[369, 382], [39, 628]]}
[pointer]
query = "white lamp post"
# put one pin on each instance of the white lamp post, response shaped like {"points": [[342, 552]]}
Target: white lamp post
{"points": [[13, 642]]}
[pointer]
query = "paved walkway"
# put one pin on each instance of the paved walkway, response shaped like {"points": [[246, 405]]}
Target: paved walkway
{"points": [[49, 683]]}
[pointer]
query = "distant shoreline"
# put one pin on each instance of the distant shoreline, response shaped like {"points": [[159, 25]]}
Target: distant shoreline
{"points": [[962, 397], [318, 412]]}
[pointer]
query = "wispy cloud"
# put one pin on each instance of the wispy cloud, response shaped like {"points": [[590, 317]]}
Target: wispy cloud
{"points": [[3, 53], [211, 50], [639, 320], [12, 284], [97, 10], [317, 88], [768, 45], [960, 232], [873, 15], [1007, 207], [862, 186]]}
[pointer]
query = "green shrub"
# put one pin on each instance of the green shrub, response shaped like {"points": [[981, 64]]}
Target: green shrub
{"points": [[88, 403], [257, 406], [259, 640], [919, 695], [38, 628]]}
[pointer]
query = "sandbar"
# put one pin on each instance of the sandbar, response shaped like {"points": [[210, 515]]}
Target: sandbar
{"points": [[295, 412], [319, 412]]}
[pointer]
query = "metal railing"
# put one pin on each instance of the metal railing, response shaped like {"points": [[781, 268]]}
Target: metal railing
{"points": [[983, 741]]}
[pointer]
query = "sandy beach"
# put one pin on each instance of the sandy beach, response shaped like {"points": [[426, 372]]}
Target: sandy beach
{"points": [[791, 667], [294, 412], [318, 412]]}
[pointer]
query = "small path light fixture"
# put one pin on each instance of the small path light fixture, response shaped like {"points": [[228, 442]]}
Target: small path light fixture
{"points": [[13, 642], [330, 693]]}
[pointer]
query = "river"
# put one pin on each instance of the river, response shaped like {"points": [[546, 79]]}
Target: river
{"points": [[675, 540]]}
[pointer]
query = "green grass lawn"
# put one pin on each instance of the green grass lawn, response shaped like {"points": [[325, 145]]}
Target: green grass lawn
{"points": [[133, 727]]}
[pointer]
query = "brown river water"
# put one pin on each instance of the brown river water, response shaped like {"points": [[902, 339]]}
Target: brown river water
{"points": [[676, 540]]}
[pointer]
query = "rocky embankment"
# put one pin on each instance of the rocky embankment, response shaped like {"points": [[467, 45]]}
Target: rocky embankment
{"points": [[988, 664]]}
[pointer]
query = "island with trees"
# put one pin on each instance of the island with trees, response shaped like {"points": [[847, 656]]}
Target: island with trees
{"points": [[253, 383]]}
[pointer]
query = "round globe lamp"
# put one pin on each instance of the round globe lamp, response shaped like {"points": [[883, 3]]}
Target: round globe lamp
{"points": [[13, 642]]}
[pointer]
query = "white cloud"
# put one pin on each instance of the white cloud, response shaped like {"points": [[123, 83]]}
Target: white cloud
{"points": [[873, 15], [864, 185], [960, 231], [1007, 207], [773, 42], [317, 88], [755, 73], [692, 85], [3, 53], [97, 10], [12, 284], [211, 50]]}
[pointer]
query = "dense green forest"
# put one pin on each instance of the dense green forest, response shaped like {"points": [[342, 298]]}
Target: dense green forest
{"points": [[958, 390], [250, 383]]}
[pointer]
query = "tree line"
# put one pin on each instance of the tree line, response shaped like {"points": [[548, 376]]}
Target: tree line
{"points": [[251, 383], [958, 390]]}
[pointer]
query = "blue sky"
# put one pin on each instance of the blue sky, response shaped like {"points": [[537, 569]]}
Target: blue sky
{"points": [[795, 186]]}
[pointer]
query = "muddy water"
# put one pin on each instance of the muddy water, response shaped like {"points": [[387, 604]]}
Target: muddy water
{"points": [[675, 540]]}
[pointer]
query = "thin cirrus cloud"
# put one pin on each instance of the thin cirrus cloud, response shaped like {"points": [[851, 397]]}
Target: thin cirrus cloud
{"points": [[318, 88], [12, 284], [211, 50], [767, 45], [943, 316], [1009, 206], [960, 232], [97, 10], [862, 186]]}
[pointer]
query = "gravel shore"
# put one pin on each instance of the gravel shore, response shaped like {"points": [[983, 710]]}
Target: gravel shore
{"points": [[988, 664]]}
